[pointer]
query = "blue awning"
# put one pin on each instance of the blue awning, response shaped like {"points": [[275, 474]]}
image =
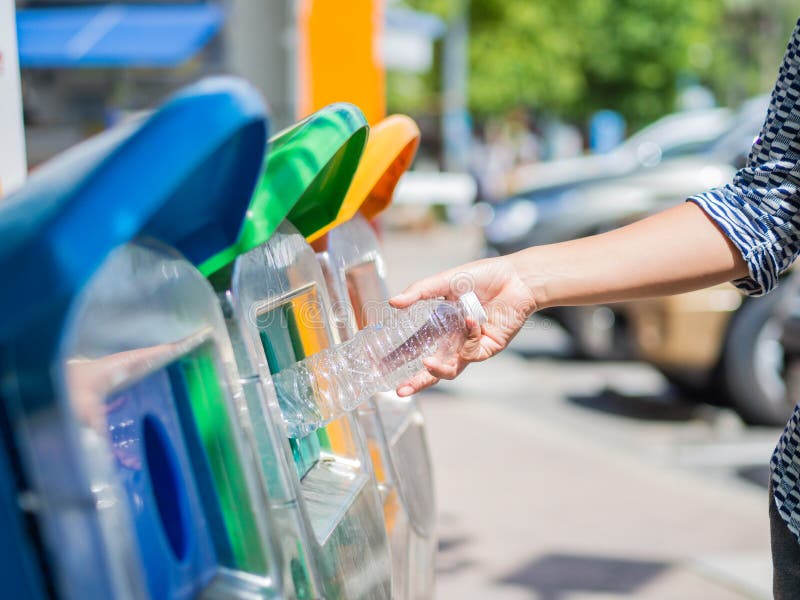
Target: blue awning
{"points": [[115, 35]]}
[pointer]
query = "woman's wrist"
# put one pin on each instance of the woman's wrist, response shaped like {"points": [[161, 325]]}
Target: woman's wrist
{"points": [[653, 257], [532, 273]]}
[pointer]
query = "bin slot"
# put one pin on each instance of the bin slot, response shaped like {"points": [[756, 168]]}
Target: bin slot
{"points": [[290, 332], [366, 292]]}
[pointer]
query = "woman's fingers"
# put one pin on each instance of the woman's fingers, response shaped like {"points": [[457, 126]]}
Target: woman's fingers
{"points": [[418, 382], [440, 369], [430, 287], [472, 348]]}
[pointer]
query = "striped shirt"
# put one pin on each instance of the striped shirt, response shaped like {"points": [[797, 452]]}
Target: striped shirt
{"points": [[760, 212]]}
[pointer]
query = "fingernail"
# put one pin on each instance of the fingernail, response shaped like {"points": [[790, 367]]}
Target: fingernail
{"points": [[405, 390]]}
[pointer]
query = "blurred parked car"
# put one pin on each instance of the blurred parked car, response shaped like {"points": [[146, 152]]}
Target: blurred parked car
{"points": [[678, 134], [677, 156], [718, 345], [545, 215], [564, 199]]}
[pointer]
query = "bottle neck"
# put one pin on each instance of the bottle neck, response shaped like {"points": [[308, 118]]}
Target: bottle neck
{"points": [[448, 317]]}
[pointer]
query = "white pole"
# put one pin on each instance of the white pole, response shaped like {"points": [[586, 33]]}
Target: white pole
{"points": [[455, 73], [13, 165], [261, 46]]}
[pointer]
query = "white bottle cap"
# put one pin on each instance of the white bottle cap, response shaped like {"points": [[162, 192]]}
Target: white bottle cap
{"points": [[472, 308]]}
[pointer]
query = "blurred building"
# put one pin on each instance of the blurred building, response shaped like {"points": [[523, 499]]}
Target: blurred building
{"points": [[86, 65]]}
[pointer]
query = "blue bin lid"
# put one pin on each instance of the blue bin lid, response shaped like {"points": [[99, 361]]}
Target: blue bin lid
{"points": [[183, 175]]}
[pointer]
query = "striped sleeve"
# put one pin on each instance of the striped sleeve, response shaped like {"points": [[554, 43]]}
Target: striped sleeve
{"points": [[760, 210]]}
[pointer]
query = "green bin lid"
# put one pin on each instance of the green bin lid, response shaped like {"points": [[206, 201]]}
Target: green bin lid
{"points": [[304, 179]]}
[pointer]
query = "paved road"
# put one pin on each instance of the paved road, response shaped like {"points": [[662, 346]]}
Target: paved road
{"points": [[560, 479]]}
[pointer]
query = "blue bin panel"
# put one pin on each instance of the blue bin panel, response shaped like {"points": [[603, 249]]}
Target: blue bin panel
{"points": [[154, 448]]}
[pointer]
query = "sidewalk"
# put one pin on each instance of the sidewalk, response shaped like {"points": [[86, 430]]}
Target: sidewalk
{"points": [[529, 510]]}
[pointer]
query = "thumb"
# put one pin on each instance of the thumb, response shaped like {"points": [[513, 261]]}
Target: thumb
{"points": [[471, 348]]}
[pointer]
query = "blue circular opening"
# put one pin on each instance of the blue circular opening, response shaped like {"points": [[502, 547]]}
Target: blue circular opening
{"points": [[166, 484]]}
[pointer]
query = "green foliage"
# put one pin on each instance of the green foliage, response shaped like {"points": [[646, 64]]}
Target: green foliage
{"points": [[746, 47], [573, 57]]}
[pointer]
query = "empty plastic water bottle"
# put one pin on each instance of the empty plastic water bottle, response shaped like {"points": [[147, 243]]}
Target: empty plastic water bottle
{"points": [[322, 387]]}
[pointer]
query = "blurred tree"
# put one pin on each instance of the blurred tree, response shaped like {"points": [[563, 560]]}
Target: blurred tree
{"points": [[573, 57], [741, 58]]}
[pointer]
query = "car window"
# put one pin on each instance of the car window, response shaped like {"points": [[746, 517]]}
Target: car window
{"points": [[687, 148]]}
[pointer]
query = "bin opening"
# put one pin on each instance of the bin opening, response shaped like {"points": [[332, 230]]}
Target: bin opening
{"points": [[365, 291], [289, 332], [167, 485]]}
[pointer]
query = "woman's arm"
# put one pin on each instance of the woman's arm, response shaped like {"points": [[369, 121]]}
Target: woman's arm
{"points": [[674, 251]]}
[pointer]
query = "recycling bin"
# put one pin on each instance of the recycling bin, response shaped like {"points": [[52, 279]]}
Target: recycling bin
{"points": [[273, 293], [395, 427], [119, 387], [20, 564]]}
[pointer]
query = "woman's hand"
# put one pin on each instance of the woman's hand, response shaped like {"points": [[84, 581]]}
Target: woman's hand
{"points": [[506, 299]]}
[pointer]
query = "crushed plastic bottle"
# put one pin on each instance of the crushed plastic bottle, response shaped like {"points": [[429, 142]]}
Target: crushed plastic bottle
{"points": [[322, 387]]}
